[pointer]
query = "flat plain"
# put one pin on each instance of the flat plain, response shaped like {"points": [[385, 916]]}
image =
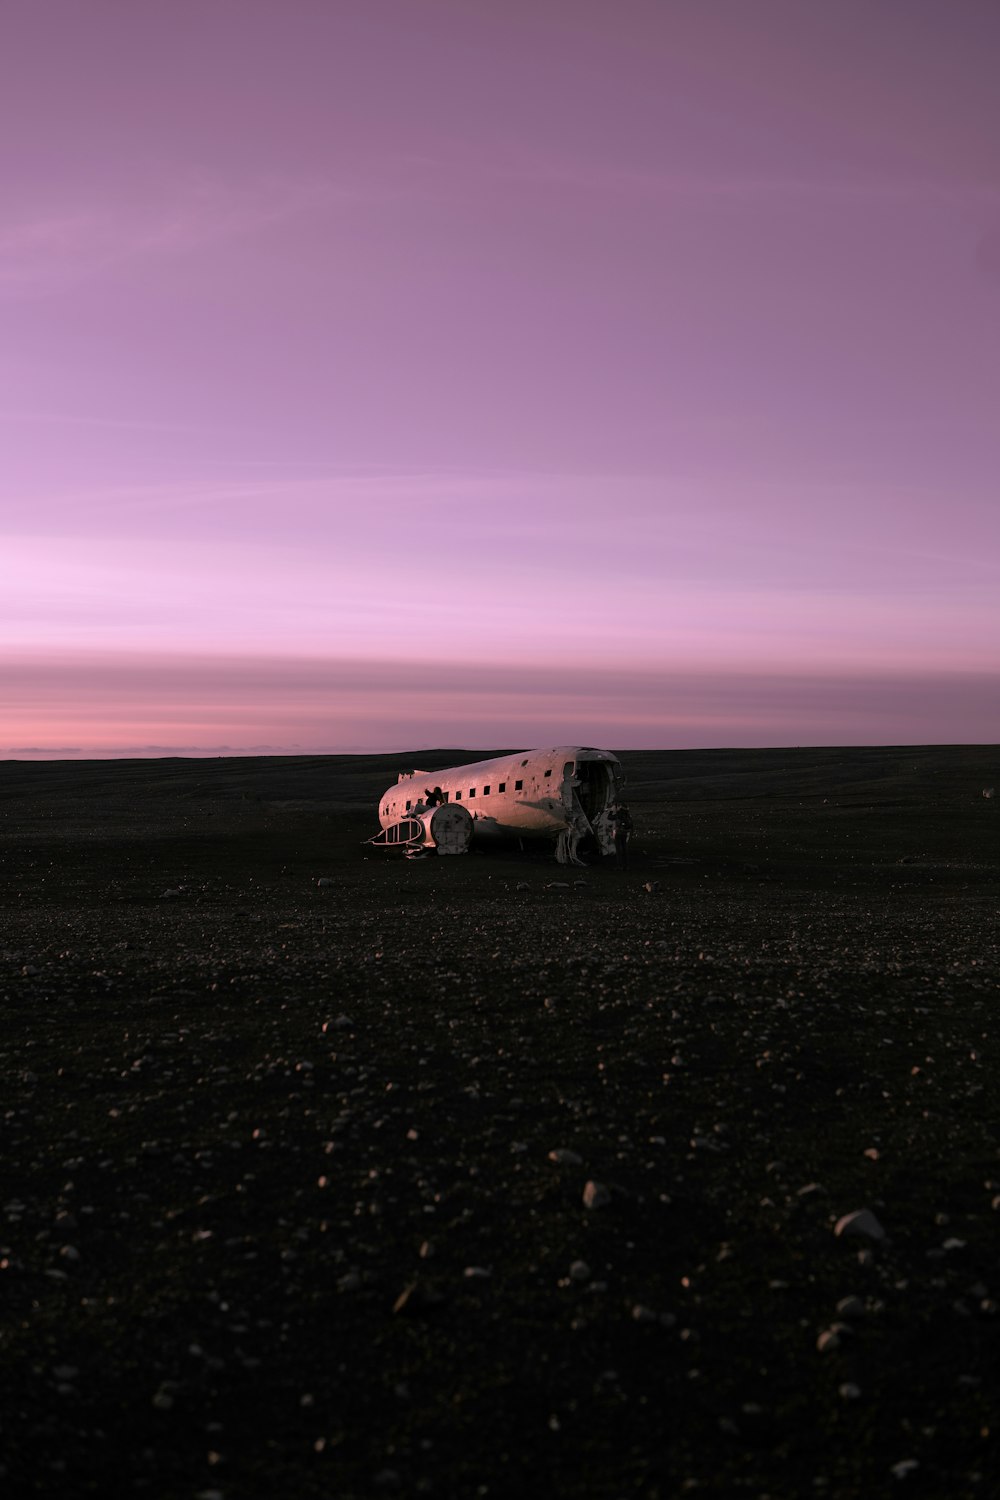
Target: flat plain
{"points": [[295, 1175]]}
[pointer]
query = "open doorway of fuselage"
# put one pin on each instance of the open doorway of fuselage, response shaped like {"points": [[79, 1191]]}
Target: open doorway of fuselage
{"points": [[594, 790], [595, 787]]}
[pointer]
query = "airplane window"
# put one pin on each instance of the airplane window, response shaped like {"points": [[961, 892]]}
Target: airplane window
{"points": [[407, 807], [518, 785], [502, 787], [458, 796], [472, 791], [486, 791]]}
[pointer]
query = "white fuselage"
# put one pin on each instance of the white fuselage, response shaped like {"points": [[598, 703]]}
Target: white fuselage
{"points": [[562, 793]]}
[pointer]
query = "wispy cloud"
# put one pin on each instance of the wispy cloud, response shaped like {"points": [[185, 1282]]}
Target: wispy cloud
{"points": [[542, 166], [55, 247], [50, 251]]}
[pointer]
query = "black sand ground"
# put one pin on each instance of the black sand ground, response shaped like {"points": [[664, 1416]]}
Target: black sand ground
{"points": [[280, 1215]]}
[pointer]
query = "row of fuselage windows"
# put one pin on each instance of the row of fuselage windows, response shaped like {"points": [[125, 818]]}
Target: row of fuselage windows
{"points": [[501, 787]]}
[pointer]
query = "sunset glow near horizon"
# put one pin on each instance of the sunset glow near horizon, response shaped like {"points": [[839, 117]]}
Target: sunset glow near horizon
{"points": [[431, 372]]}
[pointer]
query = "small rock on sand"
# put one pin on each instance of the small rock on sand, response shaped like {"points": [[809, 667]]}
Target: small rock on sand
{"points": [[862, 1222], [596, 1195]]}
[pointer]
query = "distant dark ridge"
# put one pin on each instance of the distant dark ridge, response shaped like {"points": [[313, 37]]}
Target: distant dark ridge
{"points": [[913, 774]]}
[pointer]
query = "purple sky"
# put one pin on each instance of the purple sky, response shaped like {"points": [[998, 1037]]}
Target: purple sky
{"points": [[477, 372]]}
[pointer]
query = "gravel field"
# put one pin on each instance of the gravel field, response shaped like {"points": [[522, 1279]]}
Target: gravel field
{"points": [[421, 1182]]}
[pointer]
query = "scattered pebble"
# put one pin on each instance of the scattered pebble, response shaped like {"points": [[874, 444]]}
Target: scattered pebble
{"points": [[596, 1195], [861, 1222]]}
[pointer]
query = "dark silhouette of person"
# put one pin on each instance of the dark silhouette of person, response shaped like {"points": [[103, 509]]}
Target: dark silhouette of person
{"points": [[433, 798], [621, 831]]}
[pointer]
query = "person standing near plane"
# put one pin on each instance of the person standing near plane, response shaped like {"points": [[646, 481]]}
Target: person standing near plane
{"points": [[621, 830]]}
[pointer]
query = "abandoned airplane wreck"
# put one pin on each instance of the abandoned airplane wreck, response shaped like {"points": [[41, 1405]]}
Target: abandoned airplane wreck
{"points": [[564, 794]]}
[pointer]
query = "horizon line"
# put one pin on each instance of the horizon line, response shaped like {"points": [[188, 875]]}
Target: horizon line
{"points": [[71, 755]]}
